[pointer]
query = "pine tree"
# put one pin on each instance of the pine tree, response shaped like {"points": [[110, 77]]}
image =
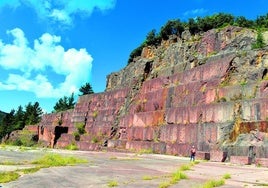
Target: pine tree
{"points": [[86, 89]]}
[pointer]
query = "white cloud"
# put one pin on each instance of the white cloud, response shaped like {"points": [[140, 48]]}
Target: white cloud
{"points": [[33, 64], [194, 13], [61, 11]]}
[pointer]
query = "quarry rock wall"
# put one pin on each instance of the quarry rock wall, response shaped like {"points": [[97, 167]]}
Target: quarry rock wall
{"points": [[210, 91]]}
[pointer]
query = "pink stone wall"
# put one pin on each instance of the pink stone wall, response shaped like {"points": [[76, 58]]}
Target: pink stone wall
{"points": [[242, 160], [168, 114], [119, 144], [146, 146], [178, 149], [215, 113], [141, 133], [152, 118]]}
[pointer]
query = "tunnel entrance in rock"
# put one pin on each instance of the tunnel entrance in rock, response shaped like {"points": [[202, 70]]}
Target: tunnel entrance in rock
{"points": [[58, 131]]}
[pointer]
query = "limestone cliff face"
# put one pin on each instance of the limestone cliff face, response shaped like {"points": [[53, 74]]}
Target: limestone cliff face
{"points": [[209, 90]]}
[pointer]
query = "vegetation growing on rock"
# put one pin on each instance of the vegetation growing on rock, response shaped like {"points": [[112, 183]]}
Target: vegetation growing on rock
{"points": [[198, 25]]}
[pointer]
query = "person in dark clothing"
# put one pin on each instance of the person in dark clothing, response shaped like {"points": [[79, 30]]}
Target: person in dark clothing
{"points": [[192, 152]]}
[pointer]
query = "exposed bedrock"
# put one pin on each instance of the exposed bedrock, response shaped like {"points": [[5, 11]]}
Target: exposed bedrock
{"points": [[208, 90]]}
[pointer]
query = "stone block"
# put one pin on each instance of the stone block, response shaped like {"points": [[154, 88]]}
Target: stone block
{"points": [[263, 162], [218, 156], [66, 137], [153, 101], [86, 146], [63, 144], [241, 160], [154, 84], [140, 133], [191, 133], [86, 137], [152, 118], [126, 121], [159, 147], [139, 145], [201, 155], [121, 144], [169, 133], [210, 96], [178, 149]]}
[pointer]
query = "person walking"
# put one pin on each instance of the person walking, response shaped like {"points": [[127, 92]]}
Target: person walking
{"points": [[192, 153]]}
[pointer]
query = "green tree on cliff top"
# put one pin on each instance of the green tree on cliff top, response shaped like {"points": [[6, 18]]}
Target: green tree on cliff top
{"points": [[86, 89], [64, 103]]}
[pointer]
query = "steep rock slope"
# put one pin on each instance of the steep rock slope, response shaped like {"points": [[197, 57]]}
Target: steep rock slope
{"points": [[208, 90]]}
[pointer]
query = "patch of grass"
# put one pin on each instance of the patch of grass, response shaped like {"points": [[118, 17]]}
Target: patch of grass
{"points": [[51, 160], [113, 158], [174, 178], [10, 163], [94, 140], [46, 161], [147, 177], [164, 184], [196, 162], [185, 167], [226, 176], [124, 158], [177, 176], [263, 184], [112, 183], [145, 151], [8, 176], [213, 183], [29, 170], [258, 164], [71, 147]]}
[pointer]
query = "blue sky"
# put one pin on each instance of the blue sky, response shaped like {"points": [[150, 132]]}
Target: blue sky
{"points": [[49, 48]]}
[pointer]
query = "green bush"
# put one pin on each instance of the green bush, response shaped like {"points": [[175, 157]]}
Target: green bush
{"points": [[72, 146], [76, 136], [80, 128], [25, 138], [259, 42]]}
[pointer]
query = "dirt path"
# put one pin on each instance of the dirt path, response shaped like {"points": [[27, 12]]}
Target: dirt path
{"points": [[128, 170]]}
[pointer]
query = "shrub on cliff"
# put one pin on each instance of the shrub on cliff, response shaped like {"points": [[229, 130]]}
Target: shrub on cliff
{"points": [[259, 41], [152, 38]]}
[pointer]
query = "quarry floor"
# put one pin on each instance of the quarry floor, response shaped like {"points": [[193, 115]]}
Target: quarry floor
{"points": [[128, 170]]}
